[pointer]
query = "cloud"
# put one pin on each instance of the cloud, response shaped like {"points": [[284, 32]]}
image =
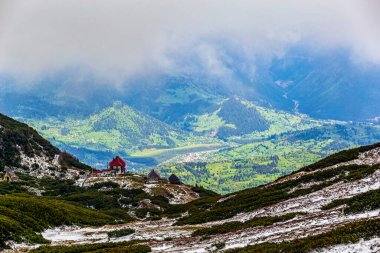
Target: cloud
{"points": [[118, 39]]}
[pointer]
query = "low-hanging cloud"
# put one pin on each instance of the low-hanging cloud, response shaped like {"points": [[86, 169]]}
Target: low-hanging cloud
{"points": [[118, 39]]}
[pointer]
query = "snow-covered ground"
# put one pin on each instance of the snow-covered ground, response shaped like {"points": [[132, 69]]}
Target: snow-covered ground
{"points": [[313, 202], [145, 230], [369, 246], [301, 226]]}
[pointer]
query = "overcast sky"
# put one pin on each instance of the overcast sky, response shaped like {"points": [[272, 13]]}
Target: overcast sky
{"points": [[119, 39]]}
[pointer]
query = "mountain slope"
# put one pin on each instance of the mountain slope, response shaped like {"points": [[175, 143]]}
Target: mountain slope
{"points": [[233, 117], [325, 84], [23, 149], [320, 207]]}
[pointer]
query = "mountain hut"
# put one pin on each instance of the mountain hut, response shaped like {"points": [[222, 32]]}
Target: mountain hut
{"points": [[173, 179], [116, 167], [153, 176]]}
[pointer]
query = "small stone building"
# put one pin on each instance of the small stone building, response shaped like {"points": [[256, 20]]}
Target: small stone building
{"points": [[153, 177], [173, 179]]}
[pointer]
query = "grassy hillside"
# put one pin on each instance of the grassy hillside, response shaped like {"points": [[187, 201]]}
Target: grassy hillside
{"points": [[117, 129], [244, 118], [21, 218]]}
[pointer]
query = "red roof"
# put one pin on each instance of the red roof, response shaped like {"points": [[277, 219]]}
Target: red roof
{"points": [[117, 161]]}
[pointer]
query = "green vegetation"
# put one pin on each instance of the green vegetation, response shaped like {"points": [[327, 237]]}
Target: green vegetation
{"points": [[116, 201], [203, 193], [67, 160], [120, 247], [239, 119], [237, 225], [263, 161], [119, 129], [350, 233], [360, 203], [121, 232], [21, 218], [224, 177], [207, 122]]}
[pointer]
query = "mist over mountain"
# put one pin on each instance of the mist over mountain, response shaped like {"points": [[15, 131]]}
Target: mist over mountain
{"points": [[310, 58], [325, 84]]}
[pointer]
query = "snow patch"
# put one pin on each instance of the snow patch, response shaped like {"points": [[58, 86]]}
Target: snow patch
{"points": [[369, 246]]}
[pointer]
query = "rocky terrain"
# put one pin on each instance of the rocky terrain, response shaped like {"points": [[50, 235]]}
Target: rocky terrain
{"points": [[175, 193], [23, 150]]}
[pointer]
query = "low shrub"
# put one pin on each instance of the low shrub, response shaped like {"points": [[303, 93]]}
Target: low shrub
{"points": [[122, 247], [121, 232], [106, 184]]}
